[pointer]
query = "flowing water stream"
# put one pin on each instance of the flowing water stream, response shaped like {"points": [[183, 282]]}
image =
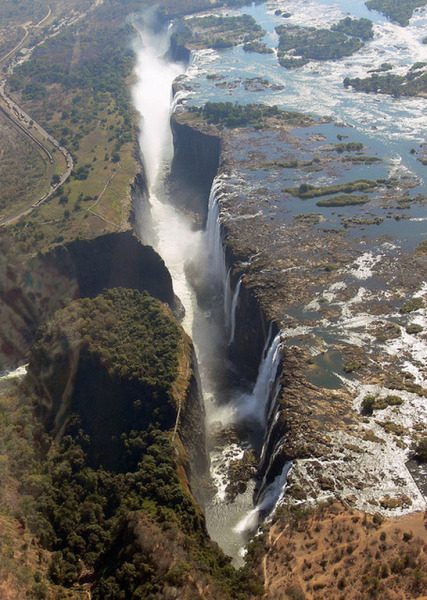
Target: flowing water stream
{"points": [[180, 246]]}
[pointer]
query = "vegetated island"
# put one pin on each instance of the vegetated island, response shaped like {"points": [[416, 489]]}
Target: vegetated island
{"points": [[232, 115], [300, 45], [218, 31], [413, 83], [396, 10]]}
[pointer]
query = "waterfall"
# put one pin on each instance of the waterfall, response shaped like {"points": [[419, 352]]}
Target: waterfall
{"points": [[152, 97], [177, 100], [267, 377], [267, 340], [179, 245], [270, 499], [227, 299], [267, 439], [171, 233], [233, 311], [216, 259], [254, 406]]}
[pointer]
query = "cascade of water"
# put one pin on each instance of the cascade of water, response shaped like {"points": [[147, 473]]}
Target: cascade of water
{"points": [[267, 375], [267, 468], [272, 405], [177, 100], [233, 311], [172, 233], [178, 243], [216, 258], [254, 406], [270, 499], [227, 299], [268, 437], [152, 97], [267, 340]]}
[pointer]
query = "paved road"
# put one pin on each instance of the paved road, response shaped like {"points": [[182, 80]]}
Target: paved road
{"points": [[18, 45], [28, 126]]}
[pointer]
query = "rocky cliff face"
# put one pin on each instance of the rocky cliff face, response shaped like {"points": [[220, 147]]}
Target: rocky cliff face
{"points": [[197, 160], [253, 330], [178, 52], [194, 166], [113, 260]]}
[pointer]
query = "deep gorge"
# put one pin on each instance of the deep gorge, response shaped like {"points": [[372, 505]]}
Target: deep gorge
{"points": [[237, 346]]}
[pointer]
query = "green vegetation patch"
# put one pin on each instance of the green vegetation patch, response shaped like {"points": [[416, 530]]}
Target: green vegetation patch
{"points": [[411, 305], [343, 200], [361, 28], [139, 533], [413, 83], [366, 160], [258, 47], [217, 31], [393, 428], [396, 10], [306, 190], [371, 403], [414, 328], [233, 115], [133, 334], [135, 527], [300, 45], [348, 147]]}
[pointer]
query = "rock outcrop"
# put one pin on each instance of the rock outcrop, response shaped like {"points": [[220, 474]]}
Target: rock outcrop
{"points": [[32, 292], [194, 166], [119, 362]]}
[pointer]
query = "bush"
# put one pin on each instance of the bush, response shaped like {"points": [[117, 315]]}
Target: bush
{"points": [[368, 404], [294, 592], [421, 450]]}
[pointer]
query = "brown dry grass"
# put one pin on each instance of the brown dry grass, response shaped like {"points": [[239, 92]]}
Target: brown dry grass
{"points": [[344, 554]]}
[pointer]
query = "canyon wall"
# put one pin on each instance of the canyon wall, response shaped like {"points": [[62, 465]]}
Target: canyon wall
{"points": [[195, 163]]}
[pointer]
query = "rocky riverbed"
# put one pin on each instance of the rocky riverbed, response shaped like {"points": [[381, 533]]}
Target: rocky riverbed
{"points": [[343, 280]]}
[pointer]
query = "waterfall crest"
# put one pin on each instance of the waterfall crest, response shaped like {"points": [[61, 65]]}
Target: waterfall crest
{"points": [[270, 499], [233, 310], [216, 258], [254, 406]]}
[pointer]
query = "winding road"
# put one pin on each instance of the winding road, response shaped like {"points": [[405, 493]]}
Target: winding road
{"points": [[24, 122], [18, 45]]}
